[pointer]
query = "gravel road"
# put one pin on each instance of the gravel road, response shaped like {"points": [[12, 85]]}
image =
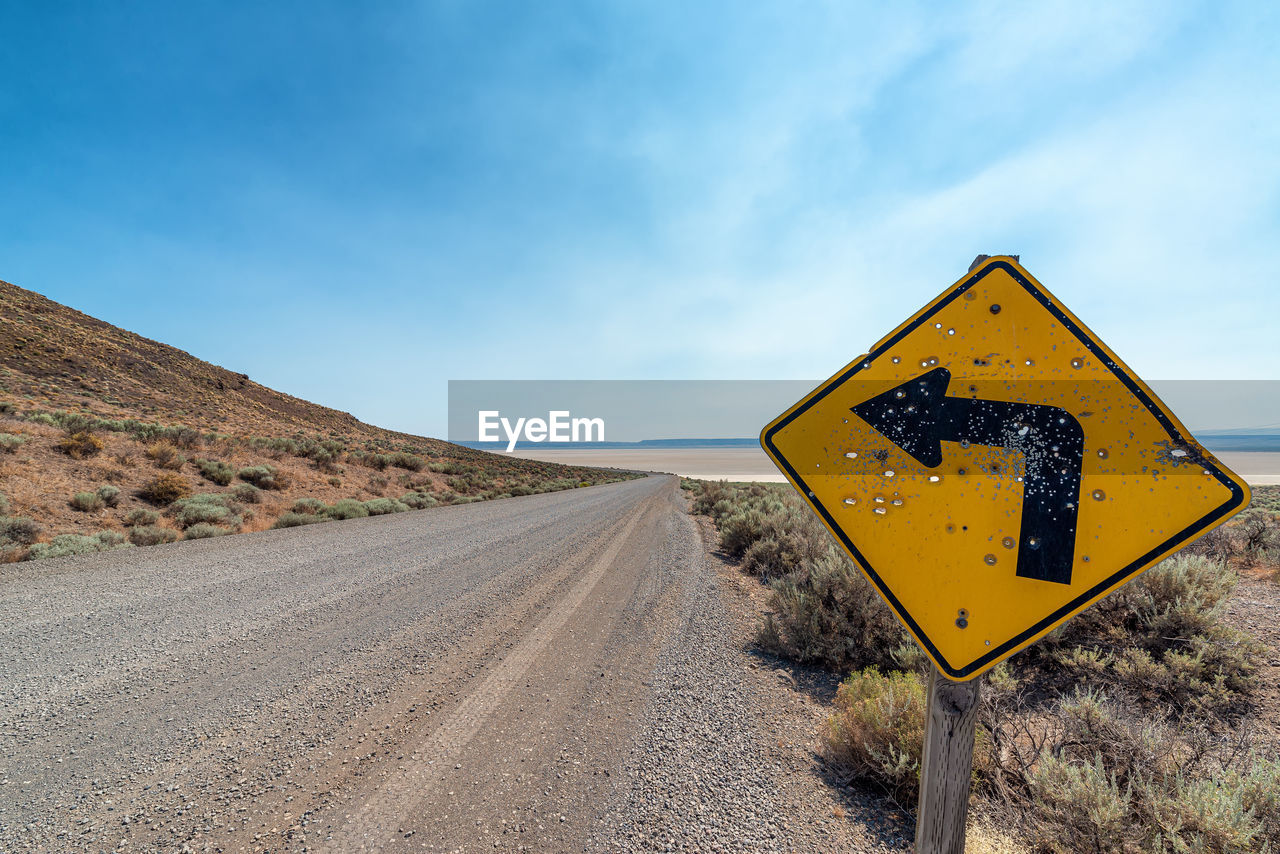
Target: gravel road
{"points": [[560, 672]]}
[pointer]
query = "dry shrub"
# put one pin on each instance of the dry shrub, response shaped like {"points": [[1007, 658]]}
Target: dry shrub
{"points": [[19, 529], [141, 516], [213, 509], [309, 506], [166, 456], [1082, 804], [246, 493], [789, 538], [877, 730], [1217, 545], [87, 502], [404, 460], [824, 609], [770, 531], [277, 448], [204, 531], [375, 461], [1251, 540], [186, 438], [1258, 532], [165, 488], [1258, 782], [827, 613], [325, 461], [418, 500], [216, 471], [64, 545], [706, 494], [265, 476], [1162, 641], [80, 445], [741, 530], [16, 533], [1116, 733], [1110, 780], [347, 508], [383, 506], [297, 520], [151, 535]]}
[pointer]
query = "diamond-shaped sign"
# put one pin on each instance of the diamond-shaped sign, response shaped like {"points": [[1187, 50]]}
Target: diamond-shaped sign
{"points": [[995, 469]]}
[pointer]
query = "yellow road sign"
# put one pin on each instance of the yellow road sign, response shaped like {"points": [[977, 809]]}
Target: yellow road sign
{"points": [[995, 469]]}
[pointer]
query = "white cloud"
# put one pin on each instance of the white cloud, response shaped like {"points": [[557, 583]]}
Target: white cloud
{"points": [[1153, 215]]}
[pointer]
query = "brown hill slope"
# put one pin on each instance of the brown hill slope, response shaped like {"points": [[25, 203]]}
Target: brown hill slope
{"points": [[63, 359], [89, 408]]}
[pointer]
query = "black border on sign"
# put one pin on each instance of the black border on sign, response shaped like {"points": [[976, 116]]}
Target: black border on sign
{"points": [[1237, 494]]}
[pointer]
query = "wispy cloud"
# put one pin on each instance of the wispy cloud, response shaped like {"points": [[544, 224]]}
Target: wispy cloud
{"points": [[640, 190], [1151, 211]]}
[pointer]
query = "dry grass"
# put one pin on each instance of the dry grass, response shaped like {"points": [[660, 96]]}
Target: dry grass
{"points": [[40, 480], [80, 445], [981, 837]]}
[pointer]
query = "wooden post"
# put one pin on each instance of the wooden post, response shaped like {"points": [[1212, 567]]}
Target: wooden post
{"points": [[947, 765]]}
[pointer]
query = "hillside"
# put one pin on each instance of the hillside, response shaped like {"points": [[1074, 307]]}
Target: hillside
{"points": [[180, 448], [55, 357]]}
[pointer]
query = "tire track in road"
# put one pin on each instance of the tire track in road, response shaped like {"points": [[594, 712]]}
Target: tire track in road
{"points": [[550, 673], [227, 673], [373, 826]]}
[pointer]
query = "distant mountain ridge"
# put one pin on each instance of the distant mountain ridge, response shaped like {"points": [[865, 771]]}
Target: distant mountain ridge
{"points": [[1255, 442], [639, 445]]}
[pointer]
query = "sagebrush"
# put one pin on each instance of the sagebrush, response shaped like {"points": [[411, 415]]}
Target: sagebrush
{"points": [[1124, 731]]}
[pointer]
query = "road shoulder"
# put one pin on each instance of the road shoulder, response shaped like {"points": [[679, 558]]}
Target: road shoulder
{"points": [[795, 702], [727, 759]]}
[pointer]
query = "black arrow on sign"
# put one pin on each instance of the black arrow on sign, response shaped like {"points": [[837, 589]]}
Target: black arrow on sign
{"points": [[918, 417]]}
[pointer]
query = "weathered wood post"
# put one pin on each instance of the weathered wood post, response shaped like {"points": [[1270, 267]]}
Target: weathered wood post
{"points": [[946, 765]]}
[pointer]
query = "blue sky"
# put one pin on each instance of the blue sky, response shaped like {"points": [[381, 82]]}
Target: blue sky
{"points": [[355, 203]]}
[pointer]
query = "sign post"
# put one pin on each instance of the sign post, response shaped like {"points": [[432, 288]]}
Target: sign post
{"points": [[946, 764], [993, 468]]}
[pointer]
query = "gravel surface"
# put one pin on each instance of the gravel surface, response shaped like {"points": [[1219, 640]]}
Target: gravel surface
{"points": [[728, 759], [562, 672], [699, 778], [1255, 608]]}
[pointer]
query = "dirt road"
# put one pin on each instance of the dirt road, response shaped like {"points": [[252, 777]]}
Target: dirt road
{"points": [[550, 673]]}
